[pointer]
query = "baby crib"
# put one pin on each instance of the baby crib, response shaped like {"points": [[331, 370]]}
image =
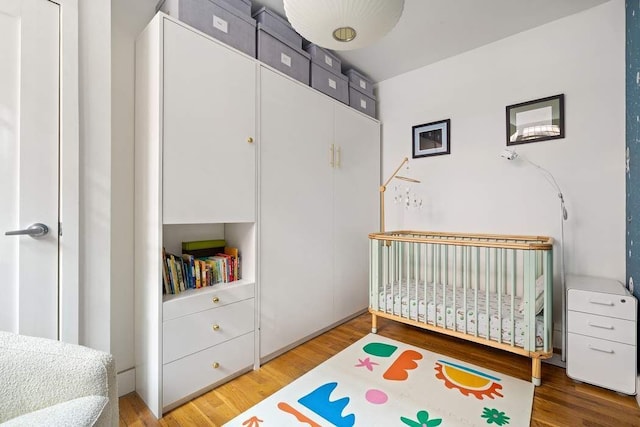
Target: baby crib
{"points": [[494, 290]]}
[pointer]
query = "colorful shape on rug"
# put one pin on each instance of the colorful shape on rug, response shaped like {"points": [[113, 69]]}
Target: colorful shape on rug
{"points": [[399, 370], [377, 397], [379, 349], [366, 363], [494, 416], [319, 402], [422, 420], [394, 384], [468, 380]]}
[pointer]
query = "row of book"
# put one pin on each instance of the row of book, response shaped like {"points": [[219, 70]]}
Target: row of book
{"points": [[199, 268]]}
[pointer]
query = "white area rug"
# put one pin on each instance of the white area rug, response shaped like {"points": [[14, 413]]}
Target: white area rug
{"points": [[378, 381]]}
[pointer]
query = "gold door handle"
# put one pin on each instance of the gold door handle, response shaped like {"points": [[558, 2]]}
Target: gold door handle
{"points": [[216, 327], [215, 300], [339, 156], [331, 156], [250, 140], [215, 365]]}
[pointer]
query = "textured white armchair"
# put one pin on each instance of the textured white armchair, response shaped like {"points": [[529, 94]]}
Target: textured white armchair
{"points": [[50, 383]]}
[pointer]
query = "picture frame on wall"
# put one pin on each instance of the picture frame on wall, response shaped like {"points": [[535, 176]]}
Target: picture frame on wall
{"points": [[432, 139], [533, 121]]}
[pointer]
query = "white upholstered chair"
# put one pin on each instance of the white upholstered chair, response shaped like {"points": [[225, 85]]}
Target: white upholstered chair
{"points": [[50, 383]]}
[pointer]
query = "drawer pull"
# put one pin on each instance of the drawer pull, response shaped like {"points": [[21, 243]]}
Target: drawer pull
{"points": [[215, 365], [215, 327], [607, 303], [600, 350], [215, 300], [599, 326]]}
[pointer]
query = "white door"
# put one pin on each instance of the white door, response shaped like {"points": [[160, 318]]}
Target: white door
{"points": [[29, 147]]}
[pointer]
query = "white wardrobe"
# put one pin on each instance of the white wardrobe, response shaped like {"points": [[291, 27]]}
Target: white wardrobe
{"points": [[319, 178], [228, 148]]}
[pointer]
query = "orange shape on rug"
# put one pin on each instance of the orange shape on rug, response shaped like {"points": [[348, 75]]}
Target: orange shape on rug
{"points": [[285, 407], [398, 371]]}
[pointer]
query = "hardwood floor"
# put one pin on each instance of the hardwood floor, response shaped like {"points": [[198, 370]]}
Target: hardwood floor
{"points": [[559, 401]]}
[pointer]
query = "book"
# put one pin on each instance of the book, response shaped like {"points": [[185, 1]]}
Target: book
{"points": [[165, 274], [189, 261], [203, 244], [235, 254], [203, 253]]}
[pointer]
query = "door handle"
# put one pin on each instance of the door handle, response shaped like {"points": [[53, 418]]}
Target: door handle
{"points": [[34, 230]]}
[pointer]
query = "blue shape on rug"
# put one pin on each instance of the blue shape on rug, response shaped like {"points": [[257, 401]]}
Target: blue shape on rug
{"points": [[318, 402]]}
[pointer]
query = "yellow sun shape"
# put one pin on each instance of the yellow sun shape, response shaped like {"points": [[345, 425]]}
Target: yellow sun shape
{"points": [[467, 380]]}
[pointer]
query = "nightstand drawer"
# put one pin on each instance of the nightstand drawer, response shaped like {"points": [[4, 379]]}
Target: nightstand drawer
{"points": [[607, 328], [620, 306], [195, 300], [189, 334], [206, 369], [602, 363]]}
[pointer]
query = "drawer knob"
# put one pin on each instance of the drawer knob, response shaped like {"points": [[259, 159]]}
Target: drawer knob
{"points": [[250, 140], [215, 327], [215, 300], [215, 365]]}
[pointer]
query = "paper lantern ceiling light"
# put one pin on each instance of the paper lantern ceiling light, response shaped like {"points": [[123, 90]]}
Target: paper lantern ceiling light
{"points": [[343, 24]]}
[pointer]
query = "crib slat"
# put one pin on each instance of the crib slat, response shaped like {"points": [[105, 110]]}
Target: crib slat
{"points": [[486, 289]]}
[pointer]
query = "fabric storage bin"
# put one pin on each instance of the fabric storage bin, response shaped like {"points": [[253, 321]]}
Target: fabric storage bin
{"points": [[324, 58], [273, 51], [243, 6], [274, 23], [363, 83], [361, 102], [334, 85], [216, 18]]}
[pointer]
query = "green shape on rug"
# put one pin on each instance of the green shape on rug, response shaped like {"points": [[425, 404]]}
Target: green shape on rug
{"points": [[495, 416], [379, 349], [423, 420]]}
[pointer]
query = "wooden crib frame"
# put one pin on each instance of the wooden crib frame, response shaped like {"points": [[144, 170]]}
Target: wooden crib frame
{"points": [[502, 268]]}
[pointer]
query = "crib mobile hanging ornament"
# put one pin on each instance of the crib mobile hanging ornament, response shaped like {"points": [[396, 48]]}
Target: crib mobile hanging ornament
{"points": [[407, 198]]}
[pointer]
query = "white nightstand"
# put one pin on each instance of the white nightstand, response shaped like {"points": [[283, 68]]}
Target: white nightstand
{"points": [[601, 333]]}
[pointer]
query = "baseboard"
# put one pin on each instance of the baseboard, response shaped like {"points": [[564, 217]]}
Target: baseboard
{"points": [[126, 382]]}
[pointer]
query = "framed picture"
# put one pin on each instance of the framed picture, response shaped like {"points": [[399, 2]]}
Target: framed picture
{"points": [[432, 139], [534, 121]]}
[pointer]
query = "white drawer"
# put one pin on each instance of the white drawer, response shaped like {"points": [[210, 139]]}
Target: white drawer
{"points": [[602, 363], [195, 300], [189, 334], [197, 372], [608, 328], [620, 306]]}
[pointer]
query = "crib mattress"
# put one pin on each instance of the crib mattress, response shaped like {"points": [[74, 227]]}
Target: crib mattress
{"points": [[402, 300]]}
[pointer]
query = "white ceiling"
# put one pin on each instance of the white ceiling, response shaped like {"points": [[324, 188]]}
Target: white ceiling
{"points": [[431, 30]]}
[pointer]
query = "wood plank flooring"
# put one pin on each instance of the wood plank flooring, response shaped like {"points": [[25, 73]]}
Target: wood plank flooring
{"points": [[559, 401]]}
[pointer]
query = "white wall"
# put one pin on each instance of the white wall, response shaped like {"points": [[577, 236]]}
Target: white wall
{"points": [[128, 19], [473, 189], [95, 172]]}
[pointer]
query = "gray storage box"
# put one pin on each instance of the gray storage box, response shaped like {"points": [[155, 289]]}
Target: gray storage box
{"points": [[216, 18], [334, 85], [273, 51], [243, 6], [361, 101], [274, 23], [362, 82], [324, 58]]}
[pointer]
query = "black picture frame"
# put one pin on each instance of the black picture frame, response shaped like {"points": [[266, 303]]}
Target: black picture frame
{"points": [[431, 139], [534, 121]]}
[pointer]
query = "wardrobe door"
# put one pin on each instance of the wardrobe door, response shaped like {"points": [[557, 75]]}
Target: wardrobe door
{"points": [[356, 208], [296, 134], [209, 125]]}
